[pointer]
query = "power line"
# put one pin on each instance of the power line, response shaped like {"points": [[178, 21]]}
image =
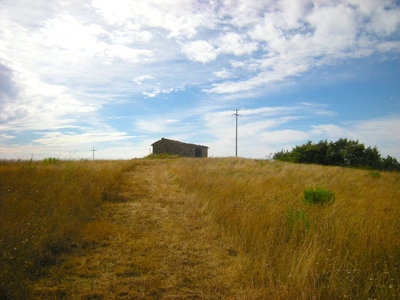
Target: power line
{"points": [[236, 114]]}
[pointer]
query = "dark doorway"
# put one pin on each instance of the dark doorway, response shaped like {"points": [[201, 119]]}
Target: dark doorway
{"points": [[197, 152]]}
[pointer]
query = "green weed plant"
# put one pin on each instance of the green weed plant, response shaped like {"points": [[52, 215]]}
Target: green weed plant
{"points": [[318, 195], [298, 217]]}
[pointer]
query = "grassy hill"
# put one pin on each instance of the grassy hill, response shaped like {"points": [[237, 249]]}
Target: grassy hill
{"points": [[349, 249], [45, 207], [283, 248]]}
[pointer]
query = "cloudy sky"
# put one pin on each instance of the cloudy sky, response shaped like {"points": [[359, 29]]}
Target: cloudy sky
{"points": [[119, 75]]}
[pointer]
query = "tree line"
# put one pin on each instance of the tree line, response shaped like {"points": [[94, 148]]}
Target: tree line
{"points": [[343, 152]]}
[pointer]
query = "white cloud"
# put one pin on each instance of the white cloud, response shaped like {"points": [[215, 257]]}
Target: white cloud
{"points": [[152, 94], [63, 65], [259, 80], [237, 64], [284, 137], [131, 33], [258, 138], [373, 132], [222, 73], [64, 139], [378, 129], [154, 125], [367, 7], [244, 13], [329, 131], [141, 78], [128, 54], [7, 136], [179, 18], [157, 91], [298, 36], [70, 145], [70, 37], [266, 130], [233, 43], [274, 40], [269, 111], [259, 121], [171, 121], [200, 51], [333, 21], [39, 105], [385, 22], [389, 46]]}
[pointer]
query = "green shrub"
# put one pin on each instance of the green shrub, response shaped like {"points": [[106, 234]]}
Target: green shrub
{"points": [[50, 160], [318, 196], [298, 217]]}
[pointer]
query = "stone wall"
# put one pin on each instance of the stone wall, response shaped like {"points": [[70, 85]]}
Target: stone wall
{"points": [[179, 148]]}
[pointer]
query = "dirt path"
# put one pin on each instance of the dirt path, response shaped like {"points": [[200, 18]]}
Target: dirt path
{"points": [[158, 246]]}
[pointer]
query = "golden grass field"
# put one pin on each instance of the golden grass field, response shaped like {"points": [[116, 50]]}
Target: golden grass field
{"points": [[216, 228], [44, 209]]}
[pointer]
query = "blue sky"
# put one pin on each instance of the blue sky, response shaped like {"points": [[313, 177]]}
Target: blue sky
{"points": [[119, 75]]}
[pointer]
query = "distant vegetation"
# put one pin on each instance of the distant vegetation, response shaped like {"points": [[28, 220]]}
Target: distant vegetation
{"points": [[343, 152]]}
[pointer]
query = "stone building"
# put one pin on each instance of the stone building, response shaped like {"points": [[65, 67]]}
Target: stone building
{"points": [[179, 148]]}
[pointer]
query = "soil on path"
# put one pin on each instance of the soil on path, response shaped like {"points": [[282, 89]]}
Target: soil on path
{"points": [[156, 245]]}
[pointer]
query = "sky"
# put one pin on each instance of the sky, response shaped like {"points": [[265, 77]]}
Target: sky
{"points": [[116, 76]]}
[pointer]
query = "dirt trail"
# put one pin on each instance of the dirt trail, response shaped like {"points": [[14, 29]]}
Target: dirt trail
{"points": [[160, 246]]}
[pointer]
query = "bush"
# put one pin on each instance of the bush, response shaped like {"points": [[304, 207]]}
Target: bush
{"points": [[51, 160], [343, 152], [318, 196]]}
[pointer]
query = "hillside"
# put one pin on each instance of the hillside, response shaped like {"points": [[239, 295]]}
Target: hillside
{"points": [[158, 246], [234, 229]]}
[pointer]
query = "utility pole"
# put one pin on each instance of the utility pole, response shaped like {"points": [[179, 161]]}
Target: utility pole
{"points": [[93, 150], [236, 114]]}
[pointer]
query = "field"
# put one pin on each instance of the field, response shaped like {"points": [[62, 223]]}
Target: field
{"points": [[45, 208], [349, 249], [196, 228]]}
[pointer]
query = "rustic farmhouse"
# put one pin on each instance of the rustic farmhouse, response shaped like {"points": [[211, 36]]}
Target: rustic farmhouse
{"points": [[179, 148]]}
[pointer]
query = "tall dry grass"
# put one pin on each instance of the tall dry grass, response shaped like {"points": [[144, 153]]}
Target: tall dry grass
{"points": [[347, 250], [44, 208]]}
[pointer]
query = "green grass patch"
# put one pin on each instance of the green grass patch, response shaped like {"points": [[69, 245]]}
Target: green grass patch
{"points": [[318, 196], [298, 217]]}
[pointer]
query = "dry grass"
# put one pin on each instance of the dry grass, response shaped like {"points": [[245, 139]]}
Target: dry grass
{"points": [[197, 228], [350, 249], [45, 208], [161, 247]]}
